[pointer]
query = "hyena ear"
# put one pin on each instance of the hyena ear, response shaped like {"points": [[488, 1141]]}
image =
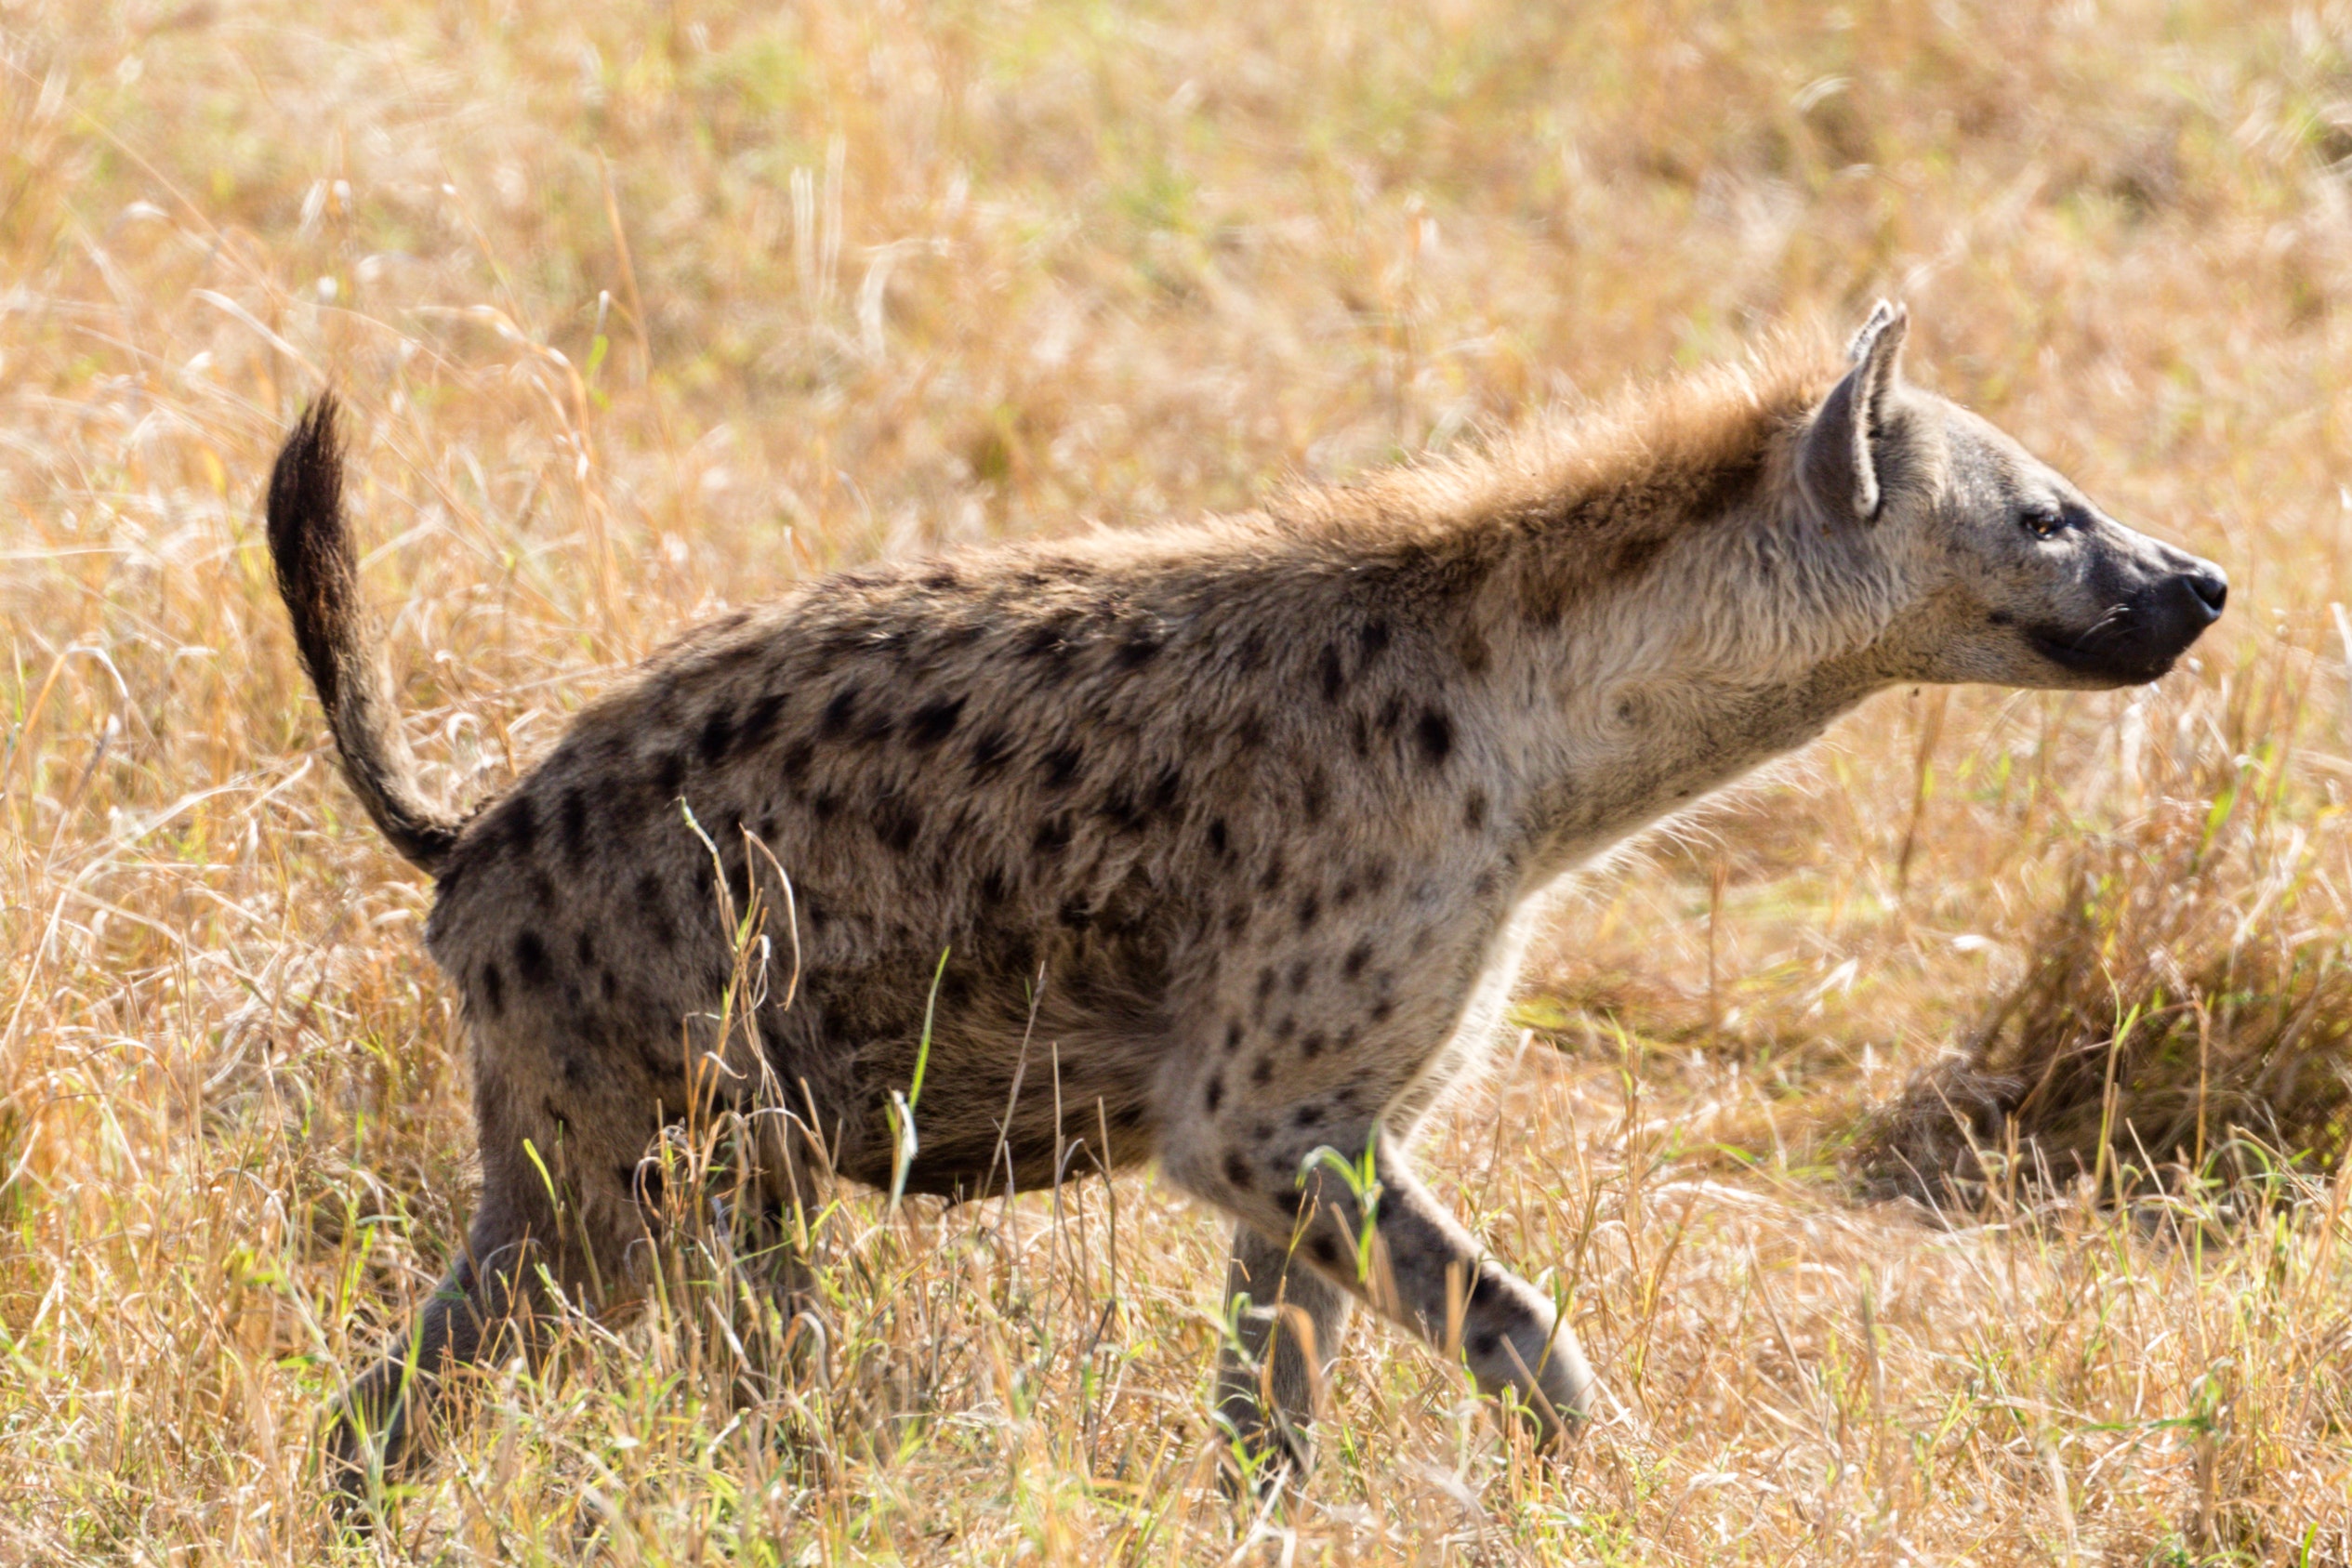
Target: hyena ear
{"points": [[1837, 464]]}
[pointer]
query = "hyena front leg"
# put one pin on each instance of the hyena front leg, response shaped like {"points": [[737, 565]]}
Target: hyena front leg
{"points": [[1422, 1270], [1288, 1322]]}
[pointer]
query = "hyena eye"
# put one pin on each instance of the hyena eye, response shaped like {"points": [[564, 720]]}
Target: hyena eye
{"points": [[2042, 522]]}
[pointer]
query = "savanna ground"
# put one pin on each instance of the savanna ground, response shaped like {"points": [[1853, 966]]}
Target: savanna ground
{"points": [[644, 312]]}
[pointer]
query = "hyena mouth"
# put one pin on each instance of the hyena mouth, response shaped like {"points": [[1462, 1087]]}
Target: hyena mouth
{"points": [[2140, 640]]}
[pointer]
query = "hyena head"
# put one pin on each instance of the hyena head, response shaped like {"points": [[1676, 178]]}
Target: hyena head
{"points": [[2010, 574]]}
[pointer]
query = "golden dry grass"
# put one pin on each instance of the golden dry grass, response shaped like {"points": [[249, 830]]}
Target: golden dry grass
{"points": [[643, 310]]}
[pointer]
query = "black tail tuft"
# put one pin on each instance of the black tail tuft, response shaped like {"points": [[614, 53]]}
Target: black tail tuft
{"points": [[310, 545], [318, 578]]}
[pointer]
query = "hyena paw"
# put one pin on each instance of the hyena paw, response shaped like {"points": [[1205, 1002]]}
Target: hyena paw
{"points": [[1264, 1450]]}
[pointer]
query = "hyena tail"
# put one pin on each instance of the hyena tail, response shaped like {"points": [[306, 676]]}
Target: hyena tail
{"points": [[318, 578]]}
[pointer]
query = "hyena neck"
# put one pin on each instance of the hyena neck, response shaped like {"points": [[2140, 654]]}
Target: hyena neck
{"points": [[1743, 641]]}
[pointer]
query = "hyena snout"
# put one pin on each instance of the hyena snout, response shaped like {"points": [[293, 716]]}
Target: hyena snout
{"points": [[2154, 602], [2175, 607]]}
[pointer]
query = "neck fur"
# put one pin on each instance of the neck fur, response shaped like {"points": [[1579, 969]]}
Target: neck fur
{"points": [[1742, 636]]}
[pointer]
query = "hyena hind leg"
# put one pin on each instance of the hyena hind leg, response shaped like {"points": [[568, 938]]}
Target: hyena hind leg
{"points": [[492, 1304], [1271, 1381], [483, 1311]]}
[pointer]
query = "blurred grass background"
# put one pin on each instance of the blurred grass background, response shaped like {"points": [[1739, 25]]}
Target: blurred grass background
{"points": [[645, 310]]}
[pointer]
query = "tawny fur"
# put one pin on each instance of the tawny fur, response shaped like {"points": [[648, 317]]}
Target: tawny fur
{"points": [[1230, 831]]}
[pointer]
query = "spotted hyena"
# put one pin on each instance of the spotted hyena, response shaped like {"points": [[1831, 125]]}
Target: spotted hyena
{"points": [[1242, 819]]}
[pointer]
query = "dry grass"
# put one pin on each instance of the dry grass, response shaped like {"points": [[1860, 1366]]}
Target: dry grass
{"points": [[644, 312], [2182, 1025]]}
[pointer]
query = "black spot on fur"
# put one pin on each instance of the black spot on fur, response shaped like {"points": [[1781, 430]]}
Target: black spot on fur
{"points": [[1251, 654], [531, 959], [1118, 809], [1049, 641], [1484, 1342], [584, 949], [1310, 909], [1287, 1028], [993, 891], [1060, 765], [834, 720], [934, 721], [493, 990], [1371, 640], [718, 736], [1324, 1250], [1053, 835], [653, 906], [1250, 731], [1237, 1173], [1300, 969], [1314, 797], [1391, 714], [1358, 957], [1306, 1115], [571, 819], [1262, 1072], [794, 764], [1485, 1290], [1220, 841], [1381, 1009], [1310, 1043], [1265, 986], [759, 723], [1167, 794], [1216, 1092], [1234, 1037], [1730, 485], [989, 751], [1436, 735], [1330, 671], [894, 824], [1271, 881], [517, 826], [1635, 553], [1359, 736], [1474, 811], [1138, 649], [826, 806]]}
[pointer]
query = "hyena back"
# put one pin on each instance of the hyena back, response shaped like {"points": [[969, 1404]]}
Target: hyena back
{"points": [[1242, 822]]}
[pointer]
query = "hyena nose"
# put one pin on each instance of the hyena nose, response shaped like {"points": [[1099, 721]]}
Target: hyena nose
{"points": [[2209, 586]]}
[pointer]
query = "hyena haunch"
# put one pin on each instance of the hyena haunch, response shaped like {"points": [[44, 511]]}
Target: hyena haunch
{"points": [[1244, 819]]}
